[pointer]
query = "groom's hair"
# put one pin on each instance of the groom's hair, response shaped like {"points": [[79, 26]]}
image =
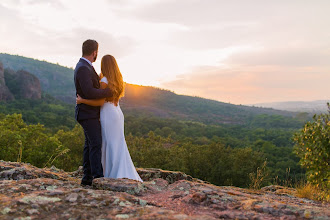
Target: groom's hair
{"points": [[89, 46]]}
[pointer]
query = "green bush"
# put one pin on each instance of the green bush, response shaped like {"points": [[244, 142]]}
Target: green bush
{"points": [[28, 143], [313, 148], [74, 141]]}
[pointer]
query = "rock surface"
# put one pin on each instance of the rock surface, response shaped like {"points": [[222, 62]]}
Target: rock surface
{"points": [[23, 84], [28, 192], [5, 94]]}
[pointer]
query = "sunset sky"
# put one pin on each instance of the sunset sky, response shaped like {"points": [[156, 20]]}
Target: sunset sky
{"points": [[242, 52]]}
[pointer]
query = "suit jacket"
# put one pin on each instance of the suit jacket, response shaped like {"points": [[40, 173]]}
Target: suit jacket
{"points": [[87, 86]]}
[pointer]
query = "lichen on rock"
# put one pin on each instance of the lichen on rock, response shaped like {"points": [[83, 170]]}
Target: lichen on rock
{"points": [[28, 192]]}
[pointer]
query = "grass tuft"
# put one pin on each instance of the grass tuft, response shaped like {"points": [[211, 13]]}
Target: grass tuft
{"points": [[309, 191]]}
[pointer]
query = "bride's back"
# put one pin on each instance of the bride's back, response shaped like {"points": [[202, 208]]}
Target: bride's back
{"points": [[111, 72]]}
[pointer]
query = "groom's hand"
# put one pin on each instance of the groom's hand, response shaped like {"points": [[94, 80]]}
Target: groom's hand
{"points": [[78, 99]]}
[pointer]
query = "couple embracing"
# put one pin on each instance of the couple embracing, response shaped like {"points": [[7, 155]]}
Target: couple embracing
{"points": [[98, 112]]}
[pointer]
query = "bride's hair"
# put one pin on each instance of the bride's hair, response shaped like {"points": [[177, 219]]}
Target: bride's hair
{"points": [[110, 69]]}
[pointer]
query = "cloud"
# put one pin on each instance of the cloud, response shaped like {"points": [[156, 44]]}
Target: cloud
{"points": [[199, 13], [222, 24], [215, 37], [237, 51], [304, 55], [32, 40], [108, 43], [202, 13], [52, 3], [287, 56], [266, 76], [249, 88]]}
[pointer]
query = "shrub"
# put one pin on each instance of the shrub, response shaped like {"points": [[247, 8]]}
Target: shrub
{"points": [[312, 145]]}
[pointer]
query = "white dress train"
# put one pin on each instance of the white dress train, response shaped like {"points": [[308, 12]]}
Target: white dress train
{"points": [[116, 160]]}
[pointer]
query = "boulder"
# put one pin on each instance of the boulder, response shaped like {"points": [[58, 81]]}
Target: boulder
{"points": [[23, 84]]}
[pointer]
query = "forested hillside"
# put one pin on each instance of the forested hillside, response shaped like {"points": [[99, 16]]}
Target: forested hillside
{"points": [[214, 141], [55, 79], [145, 100]]}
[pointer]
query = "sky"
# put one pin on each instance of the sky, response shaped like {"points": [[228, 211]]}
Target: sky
{"points": [[240, 52]]}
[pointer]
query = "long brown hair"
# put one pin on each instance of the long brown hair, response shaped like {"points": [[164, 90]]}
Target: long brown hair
{"points": [[110, 69]]}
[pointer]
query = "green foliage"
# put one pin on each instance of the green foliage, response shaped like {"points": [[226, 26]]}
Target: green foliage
{"points": [[223, 155], [211, 162], [276, 121], [48, 111], [74, 141], [280, 158], [27, 143], [313, 148], [273, 144]]}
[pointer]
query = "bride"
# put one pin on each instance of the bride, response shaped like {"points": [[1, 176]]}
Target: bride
{"points": [[116, 160]]}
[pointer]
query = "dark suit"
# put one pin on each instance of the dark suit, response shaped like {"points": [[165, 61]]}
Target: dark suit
{"points": [[88, 86]]}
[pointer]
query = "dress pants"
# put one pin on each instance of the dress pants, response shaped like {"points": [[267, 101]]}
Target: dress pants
{"points": [[92, 150]]}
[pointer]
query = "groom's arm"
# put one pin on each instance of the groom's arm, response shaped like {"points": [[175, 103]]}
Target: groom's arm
{"points": [[86, 85]]}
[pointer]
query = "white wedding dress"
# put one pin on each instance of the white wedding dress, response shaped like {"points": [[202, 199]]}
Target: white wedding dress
{"points": [[116, 160]]}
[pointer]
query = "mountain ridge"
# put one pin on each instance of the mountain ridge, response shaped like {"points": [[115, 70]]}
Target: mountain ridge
{"points": [[315, 106], [142, 100]]}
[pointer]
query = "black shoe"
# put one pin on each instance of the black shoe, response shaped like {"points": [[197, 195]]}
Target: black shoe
{"points": [[86, 183], [96, 177]]}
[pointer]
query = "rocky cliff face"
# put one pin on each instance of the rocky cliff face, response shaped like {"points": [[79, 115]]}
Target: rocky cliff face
{"points": [[27, 192], [29, 85], [20, 84], [5, 94]]}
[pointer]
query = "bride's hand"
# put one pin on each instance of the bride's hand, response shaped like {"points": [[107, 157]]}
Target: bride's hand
{"points": [[79, 99]]}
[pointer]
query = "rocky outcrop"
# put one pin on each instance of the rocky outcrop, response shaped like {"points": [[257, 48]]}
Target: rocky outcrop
{"points": [[28, 192], [30, 85], [148, 174], [20, 84], [5, 94], [23, 84]]}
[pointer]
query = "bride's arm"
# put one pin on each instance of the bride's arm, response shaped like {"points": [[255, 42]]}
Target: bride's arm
{"points": [[92, 102]]}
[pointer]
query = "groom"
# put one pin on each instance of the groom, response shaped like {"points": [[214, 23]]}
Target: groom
{"points": [[87, 86]]}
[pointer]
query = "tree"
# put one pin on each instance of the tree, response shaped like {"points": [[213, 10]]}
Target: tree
{"points": [[312, 145]]}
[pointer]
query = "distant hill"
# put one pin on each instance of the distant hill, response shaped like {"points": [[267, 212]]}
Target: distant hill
{"points": [[317, 106], [57, 81], [163, 103]]}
